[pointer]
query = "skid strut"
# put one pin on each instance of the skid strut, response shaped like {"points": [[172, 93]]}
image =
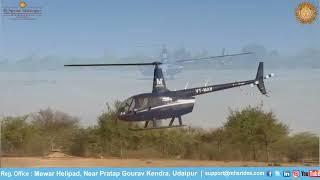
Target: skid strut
{"points": [[154, 124], [171, 121], [180, 120], [146, 124]]}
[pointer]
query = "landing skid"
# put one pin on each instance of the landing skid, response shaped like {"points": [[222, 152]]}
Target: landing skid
{"points": [[153, 128], [160, 127]]}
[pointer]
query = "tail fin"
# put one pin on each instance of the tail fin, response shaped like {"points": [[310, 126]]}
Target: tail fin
{"points": [[159, 84], [259, 79]]}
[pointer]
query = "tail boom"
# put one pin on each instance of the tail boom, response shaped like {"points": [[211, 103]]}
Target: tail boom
{"points": [[258, 81], [208, 89]]}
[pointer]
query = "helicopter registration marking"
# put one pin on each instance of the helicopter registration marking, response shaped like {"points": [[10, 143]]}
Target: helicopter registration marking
{"points": [[204, 90], [238, 84]]}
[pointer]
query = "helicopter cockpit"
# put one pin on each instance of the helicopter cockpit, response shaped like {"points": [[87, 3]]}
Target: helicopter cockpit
{"points": [[127, 105], [134, 104]]}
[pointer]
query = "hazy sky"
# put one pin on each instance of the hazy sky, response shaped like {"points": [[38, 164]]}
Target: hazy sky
{"points": [[93, 28]]}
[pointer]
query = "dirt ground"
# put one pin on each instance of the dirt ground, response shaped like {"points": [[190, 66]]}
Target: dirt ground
{"points": [[113, 162]]}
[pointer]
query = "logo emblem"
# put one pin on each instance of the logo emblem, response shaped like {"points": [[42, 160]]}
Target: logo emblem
{"points": [[23, 4], [277, 173], [295, 173], [159, 81], [286, 174], [306, 13], [314, 173], [304, 173], [269, 173], [21, 11]]}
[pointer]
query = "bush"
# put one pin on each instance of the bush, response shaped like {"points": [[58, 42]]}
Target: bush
{"points": [[248, 134]]}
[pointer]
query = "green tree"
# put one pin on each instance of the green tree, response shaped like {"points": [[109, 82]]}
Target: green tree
{"points": [[254, 127], [56, 127], [270, 130], [15, 134], [302, 146], [241, 128]]}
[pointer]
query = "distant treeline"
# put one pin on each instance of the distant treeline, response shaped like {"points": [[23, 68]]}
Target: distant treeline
{"points": [[247, 134]]}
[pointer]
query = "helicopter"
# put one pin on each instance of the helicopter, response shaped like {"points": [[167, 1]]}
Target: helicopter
{"points": [[163, 103]]}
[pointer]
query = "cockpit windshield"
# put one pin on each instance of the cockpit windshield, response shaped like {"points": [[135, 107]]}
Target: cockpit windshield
{"points": [[135, 104], [127, 105]]}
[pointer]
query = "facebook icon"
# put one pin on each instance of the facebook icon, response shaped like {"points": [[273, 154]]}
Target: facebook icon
{"points": [[269, 173], [286, 173]]}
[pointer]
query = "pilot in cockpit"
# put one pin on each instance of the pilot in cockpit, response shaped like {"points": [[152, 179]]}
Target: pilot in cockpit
{"points": [[141, 103]]}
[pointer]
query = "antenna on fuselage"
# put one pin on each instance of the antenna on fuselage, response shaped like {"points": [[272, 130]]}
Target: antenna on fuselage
{"points": [[205, 84], [186, 86]]}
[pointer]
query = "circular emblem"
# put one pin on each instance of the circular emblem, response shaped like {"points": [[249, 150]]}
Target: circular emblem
{"points": [[306, 13], [23, 4]]}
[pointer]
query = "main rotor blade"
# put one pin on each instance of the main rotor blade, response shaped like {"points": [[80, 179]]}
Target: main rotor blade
{"points": [[126, 64], [213, 57]]}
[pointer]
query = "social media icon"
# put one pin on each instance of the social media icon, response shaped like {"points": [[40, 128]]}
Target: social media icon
{"points": [[313, 173], [277, 173], [295, 173], [286, 174], [304, 173], [269, 173]]}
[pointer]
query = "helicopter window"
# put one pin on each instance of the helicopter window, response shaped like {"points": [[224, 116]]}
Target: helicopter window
{"points": [[127, 104], [132, 105], [156, 102], [141, 103]]}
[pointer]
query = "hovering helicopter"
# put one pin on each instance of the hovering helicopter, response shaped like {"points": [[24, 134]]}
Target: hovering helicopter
{"points": [[162, 103]]}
